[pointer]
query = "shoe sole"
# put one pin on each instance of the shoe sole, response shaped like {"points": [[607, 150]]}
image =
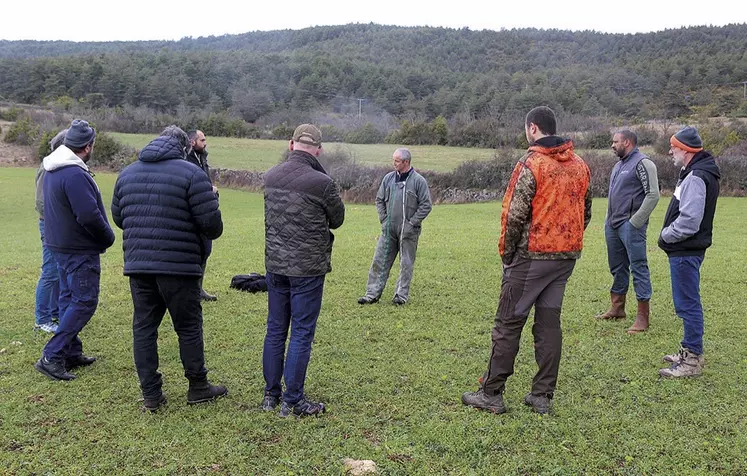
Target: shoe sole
{"points": [[496, 410], [206, 400], [42, 370]]}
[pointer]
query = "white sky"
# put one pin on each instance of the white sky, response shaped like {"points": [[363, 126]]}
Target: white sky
{"points": [[157, 20]]}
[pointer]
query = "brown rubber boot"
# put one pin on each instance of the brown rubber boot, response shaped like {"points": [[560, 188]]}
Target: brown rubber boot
{"points": [[641, 318], [616, 310]]}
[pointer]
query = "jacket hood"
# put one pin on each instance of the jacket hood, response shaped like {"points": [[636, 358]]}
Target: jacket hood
{"points": [[703, 161], [162, 148], [63, 157], [557, 148]]}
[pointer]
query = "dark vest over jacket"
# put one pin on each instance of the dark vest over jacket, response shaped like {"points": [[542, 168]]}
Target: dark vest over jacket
{"points": [[167, 209], [302, 204], [626, 192]]}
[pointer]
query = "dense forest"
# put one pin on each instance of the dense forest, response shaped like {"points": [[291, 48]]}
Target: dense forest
{"points": [[401, 72]]}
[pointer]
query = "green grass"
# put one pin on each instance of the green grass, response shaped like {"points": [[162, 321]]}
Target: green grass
{"points": [[260, 155], [391, 377]]}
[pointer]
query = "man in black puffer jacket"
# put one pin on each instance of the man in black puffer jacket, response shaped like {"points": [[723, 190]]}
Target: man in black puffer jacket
{"points": [[165, 205], [302, 203]]}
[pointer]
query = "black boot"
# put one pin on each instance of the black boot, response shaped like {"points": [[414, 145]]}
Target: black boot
{"points": [[79, 361], [205, 296], [204, 392], [52, 369], [152, 405]]}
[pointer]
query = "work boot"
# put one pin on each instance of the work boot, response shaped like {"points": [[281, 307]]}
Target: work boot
{"points": [[205, 296], [689, 365], [675, 358], [399, 300], [482, 401], [367, 300], [204, 392], [152, 405], [540, 403], [616, 310], [302, 408], [270, 403], [53, 369], [79, 361], [641, 318]]}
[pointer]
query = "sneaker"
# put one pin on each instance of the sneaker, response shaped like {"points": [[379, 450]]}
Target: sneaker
{"points": [[482, 401], [399, 300], [53, 369], [688, 365], [79, 361], [205, 392], [367, 300], [270, 403], [152, 405], [540, 403], [49, 327], [675, 358], [302, 408]]}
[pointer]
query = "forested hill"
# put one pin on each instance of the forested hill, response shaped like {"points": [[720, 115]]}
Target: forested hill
{"points": [[401, 70]]}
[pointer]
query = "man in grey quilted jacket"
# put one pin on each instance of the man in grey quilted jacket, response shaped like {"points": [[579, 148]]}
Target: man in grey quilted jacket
{"points": [[302, 205], [403, 202]]}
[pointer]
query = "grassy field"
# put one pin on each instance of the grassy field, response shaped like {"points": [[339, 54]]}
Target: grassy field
{"points": [[391, 377], [259, 155]]}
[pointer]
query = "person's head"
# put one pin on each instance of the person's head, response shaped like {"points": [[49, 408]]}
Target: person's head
{"points": [[80, 138], [684, 145], [57, 140], [623, 142], [540, 122], [307, 138], [197, 140], [401, 160], [177, 133]]}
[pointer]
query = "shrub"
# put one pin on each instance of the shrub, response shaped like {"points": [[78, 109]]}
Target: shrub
{"points": [[110, 153], [23, 132], [11, 114], [366, 134]]}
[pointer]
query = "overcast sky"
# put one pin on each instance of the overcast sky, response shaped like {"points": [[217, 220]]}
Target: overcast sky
{"points": [[158, 20]]}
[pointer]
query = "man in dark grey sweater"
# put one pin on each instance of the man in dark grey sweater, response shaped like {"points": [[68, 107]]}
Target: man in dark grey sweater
{"points": [[633, 195]]}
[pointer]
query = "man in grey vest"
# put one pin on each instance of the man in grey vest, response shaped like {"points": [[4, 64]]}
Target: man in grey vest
{"points": [[633, 195], [403, 202]]}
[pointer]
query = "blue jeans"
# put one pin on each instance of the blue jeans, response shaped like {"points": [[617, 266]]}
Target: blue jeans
{"points": [[79, 297], [48, 287], [685, 272], [292, 302], [626, 253]]}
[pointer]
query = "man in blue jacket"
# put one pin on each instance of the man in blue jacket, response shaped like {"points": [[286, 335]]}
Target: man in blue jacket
{"points": [[165, 205], [76, 232], [687, 233]]}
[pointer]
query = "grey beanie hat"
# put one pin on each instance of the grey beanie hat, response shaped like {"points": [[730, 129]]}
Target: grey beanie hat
{"points": [[79, 134]]}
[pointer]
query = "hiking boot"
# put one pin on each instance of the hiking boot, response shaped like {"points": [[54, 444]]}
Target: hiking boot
{"points": [[540, 403], [688, 365], [367, 300], [152, 405], [482, 401], [205, 296], [641, 318], [675, 358], [270, 403], [399, 300], [205, 392], [302, 408], [53, 369], [79, 361], [616, 310], [48, 327]]}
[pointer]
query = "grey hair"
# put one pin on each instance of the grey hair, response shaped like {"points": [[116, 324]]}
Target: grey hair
{"points": [[57, 140], [629, 135], [404, 154], [178, 133]]}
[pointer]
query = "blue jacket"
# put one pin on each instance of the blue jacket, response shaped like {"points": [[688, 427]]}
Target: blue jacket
{"points": [[167, 209], [74, 215]]}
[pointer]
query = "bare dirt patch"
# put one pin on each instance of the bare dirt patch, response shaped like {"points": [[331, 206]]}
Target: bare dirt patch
{"points": [[12, 155]]}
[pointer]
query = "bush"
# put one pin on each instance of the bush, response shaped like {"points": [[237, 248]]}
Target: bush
{"points": [[23, 132], [11, 114], [43, 149], [366, 134], [282, 132], [110, 153]]}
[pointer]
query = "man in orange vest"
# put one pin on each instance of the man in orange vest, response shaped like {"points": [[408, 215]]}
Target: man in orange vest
{"points": [[546, 208]]}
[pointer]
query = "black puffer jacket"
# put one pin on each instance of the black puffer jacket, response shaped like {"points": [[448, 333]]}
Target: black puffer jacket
{"points": [[164, 204], [302, 203]]}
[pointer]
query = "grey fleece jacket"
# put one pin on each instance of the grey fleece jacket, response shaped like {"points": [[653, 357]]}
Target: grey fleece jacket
{"points": [[408, 201]]}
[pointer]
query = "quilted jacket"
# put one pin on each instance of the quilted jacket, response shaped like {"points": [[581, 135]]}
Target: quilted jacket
{"points": [[302, 204], [167, 208]]}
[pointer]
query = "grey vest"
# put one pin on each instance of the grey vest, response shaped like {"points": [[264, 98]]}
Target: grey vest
{"points": [[626, 191]]}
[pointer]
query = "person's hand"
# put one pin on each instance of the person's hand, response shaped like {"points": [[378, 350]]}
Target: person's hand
{"points": [[215, 189]]}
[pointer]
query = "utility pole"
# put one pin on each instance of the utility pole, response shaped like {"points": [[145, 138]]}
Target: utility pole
{"points": [[744, 94], [360, 106]]}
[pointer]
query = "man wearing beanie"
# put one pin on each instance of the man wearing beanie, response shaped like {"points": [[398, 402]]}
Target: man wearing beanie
{"points": [[76, 232], [48, 287], [687, 233], [166, 208], [633, 195]]}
